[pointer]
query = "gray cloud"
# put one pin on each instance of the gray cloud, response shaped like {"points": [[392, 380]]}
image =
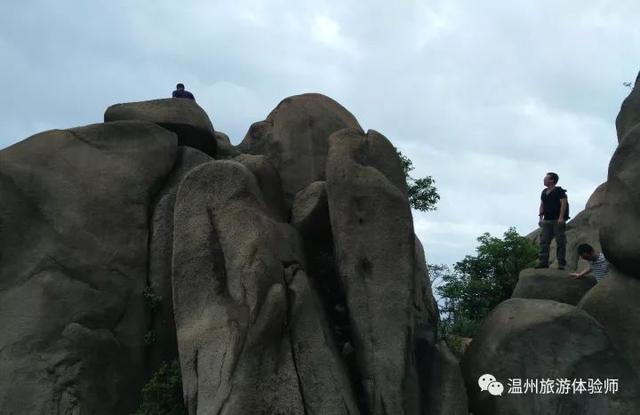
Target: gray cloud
{"points": [[484, 96]]}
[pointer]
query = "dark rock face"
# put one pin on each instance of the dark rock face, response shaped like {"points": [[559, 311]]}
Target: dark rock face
{"points": [[374, 245], [613, 301], [629, 116], [224, 149], [268, 181], [310, 211], [279, 291], [230, 296], [614, 304], [182, 116], [290, 277], [74, 229], [543, 339], [295, 139], [447, 393], [550, 284], [165, 347], [620, 223]]}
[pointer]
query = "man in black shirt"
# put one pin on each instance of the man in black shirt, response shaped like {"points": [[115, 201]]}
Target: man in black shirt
{"points": [[180, 92], [553, 214]]}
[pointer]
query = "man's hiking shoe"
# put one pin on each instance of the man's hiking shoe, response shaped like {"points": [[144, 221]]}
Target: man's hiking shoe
{"points": [[541, 266]]}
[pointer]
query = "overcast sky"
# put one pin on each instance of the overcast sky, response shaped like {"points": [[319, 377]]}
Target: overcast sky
{"points": [[485, 96]]}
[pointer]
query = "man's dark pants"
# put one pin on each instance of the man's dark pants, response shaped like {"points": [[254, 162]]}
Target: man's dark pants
{"points": [[552, 229]]}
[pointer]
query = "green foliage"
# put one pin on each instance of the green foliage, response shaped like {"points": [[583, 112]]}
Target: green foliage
{"points": [[423, 194], [150, 338], [162, 395], [152, 300], [479, 283]]}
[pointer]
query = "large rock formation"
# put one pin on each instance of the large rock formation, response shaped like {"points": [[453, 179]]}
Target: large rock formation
{"points": [[159, 294], [614, 304], [620, 219], [286, 280], [294, 137], [598, 338], [526, 340], [374, 246], [74, 231]]}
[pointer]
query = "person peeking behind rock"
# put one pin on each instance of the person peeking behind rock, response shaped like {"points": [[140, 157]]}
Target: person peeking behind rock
{"points": [[180, 92], [598, 265], [553, 214]]}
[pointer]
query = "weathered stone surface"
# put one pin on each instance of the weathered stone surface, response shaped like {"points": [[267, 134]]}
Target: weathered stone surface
{"points": [[165, 348], [597, 198], [551, 284], [543, 339], [295, 138], [73, 241], [234, 288], [629, 115], [439, 376], [310, 211], [325, 385], [620, 218], [447, 394], [182, 116], [310, 216], [224, 149], [268, 181], [330, 314], [614, 303], [374, 245], [427, 314]]}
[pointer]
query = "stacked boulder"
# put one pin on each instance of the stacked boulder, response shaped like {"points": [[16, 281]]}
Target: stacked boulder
{"points": [[613, 302], [556, 329], [284, 274]]}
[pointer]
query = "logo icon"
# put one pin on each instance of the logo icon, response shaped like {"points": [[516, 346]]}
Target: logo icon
{"points": [[488, 382]]}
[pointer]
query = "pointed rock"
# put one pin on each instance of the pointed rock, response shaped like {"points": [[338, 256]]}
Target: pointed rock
{"points": [[375, 253], [295, 138]]}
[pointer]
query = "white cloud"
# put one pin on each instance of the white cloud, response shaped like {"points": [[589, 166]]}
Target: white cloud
{"points": [[484, 96]]}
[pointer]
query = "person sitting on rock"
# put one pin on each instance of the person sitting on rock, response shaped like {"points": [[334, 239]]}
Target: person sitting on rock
{"points": [[180, 92], [553, 214], [599, 267]]}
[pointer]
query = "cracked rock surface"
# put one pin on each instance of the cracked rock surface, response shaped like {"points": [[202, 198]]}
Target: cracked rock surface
{"points": [[283, 274]]}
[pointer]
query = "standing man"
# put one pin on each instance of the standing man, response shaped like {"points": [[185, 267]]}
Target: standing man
{"points": [[180, 92], [553, 214]]}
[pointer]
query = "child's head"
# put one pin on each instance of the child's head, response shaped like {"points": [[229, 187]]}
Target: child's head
{"points": [[586, 252]]}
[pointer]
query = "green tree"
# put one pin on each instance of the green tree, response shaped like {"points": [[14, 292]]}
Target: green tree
{"points": [[479, 283], [162, 395], [423, 194]]}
